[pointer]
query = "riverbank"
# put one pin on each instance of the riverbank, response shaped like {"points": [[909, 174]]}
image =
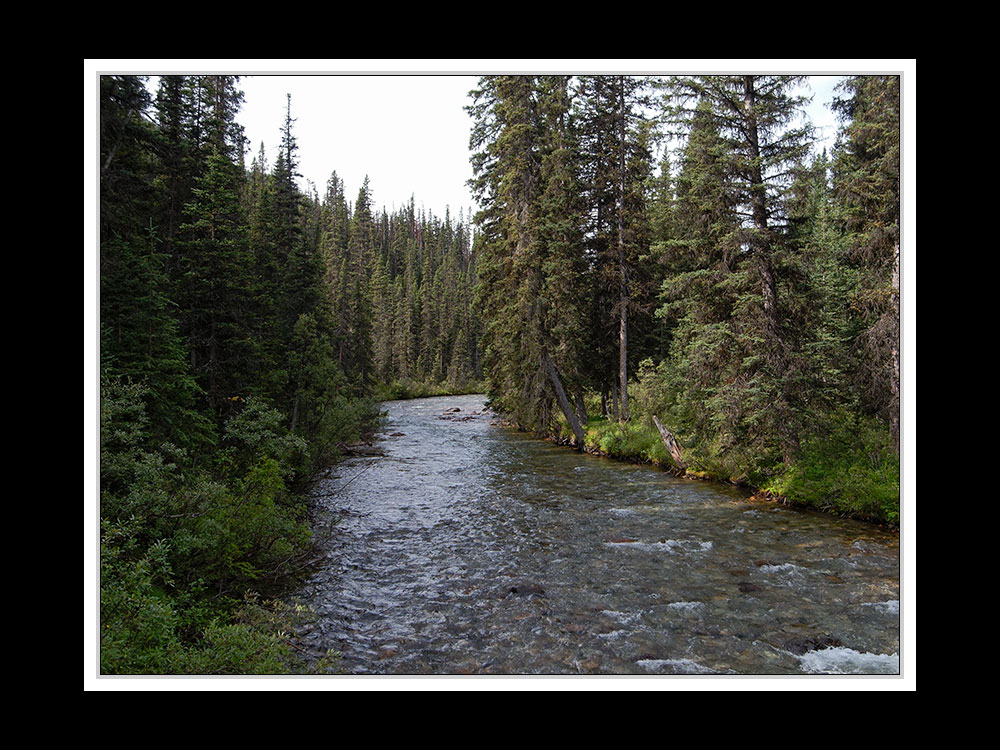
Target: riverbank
{"points": [[855, 476], [851, 475]]}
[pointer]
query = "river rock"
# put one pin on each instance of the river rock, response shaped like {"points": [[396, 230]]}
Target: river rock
{"points": [[526, 589], [799, 646]]}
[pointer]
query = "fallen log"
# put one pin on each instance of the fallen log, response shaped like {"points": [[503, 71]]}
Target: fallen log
{"points": [[671, 442]]}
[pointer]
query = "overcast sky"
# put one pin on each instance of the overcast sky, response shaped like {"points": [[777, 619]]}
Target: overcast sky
{"points": [[408, 134]]}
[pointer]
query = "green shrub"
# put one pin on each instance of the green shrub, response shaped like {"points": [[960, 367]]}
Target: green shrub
{"points": [[258, 432], [176, 541], [851, 469], [633, 441]]}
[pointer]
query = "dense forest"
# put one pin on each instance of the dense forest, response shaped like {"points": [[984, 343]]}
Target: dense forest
{"points": [[247, 330], [737, 300]]}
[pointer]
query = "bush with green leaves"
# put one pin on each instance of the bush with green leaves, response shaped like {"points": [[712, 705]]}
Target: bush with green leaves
{"points": [[179, 546], [850, 468], [256, 432]]}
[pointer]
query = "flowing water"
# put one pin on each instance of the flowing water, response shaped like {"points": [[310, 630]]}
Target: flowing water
{"points": [[469, 548]]}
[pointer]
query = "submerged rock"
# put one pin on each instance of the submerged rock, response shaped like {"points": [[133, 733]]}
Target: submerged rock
{"points": [[526, 589], [802, 645]]}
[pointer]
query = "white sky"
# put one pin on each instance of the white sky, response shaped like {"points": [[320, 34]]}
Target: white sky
{"points": [[408, 134]]}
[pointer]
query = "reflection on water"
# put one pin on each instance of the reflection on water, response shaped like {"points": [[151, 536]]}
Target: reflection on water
{"points": [[468, 548]]}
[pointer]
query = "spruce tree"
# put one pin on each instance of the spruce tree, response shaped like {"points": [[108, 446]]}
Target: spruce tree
{"points": [[561, 223], [358, 361], [508, 143], [699, 293], [140, 339], [756, 118], [215, 286], [615, 167], [866, 180]]}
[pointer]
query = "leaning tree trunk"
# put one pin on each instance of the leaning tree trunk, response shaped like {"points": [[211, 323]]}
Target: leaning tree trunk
{"points": [[564, 404], [671, 442]]}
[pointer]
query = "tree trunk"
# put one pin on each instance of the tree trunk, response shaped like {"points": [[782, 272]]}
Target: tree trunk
{"points": [[295, 414], [623, 288], [564, 403], [581, 405], [671, 442], [623, 357], [762, 248]]}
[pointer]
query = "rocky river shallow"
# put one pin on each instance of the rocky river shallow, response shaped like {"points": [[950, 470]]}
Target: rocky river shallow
{"points": [[460, 547]]}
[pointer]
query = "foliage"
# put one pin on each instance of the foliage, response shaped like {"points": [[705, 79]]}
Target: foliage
{"points": [[404, 388], [630, 441], [256, 433], [170, 535], [851, 469]]}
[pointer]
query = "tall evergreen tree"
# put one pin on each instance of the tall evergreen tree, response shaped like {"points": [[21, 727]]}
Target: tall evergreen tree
{"points": [[517, 336], [140, 340], [826, 285], [755, 115], [215, 285], [615, 143], [358, 363], [699, 294], [866, 178], [561, 225]]}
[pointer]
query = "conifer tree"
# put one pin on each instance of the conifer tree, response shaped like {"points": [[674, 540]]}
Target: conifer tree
{"points": [[866, 179], [561, 219], [755, 115], [358, 362], [178, 157], [698, 293], [140, 340], [822, 291], [517, 337], [614, 143], [215, 286]]}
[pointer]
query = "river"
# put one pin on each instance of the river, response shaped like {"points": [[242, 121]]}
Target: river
{"points": [[464, 547]]}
